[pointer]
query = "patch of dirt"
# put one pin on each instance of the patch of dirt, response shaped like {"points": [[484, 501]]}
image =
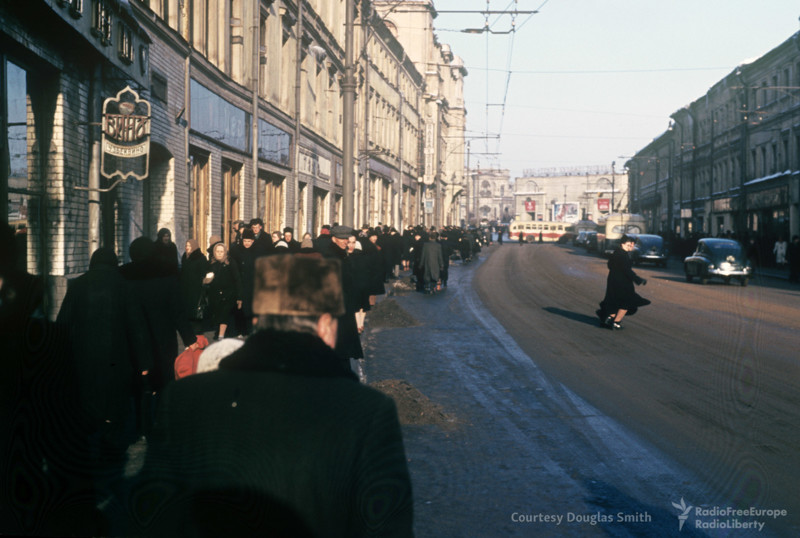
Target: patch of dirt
{"points": [[387, 313], [401, 286], [413, 407]]}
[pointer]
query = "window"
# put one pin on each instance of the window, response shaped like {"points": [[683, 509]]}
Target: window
{"points": [[231, 173], [125, 46], [200, 209], [101, 21], [14, 169]]}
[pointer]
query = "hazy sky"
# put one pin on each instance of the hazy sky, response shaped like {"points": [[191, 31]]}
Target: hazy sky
{"points": [[593, 81]]}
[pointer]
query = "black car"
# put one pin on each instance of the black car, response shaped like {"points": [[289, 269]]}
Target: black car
{"points": [[648, 248], [723, 258], [591, 241]]}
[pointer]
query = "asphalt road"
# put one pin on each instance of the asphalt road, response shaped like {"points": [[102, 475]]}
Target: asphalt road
{"points": [[707, 374]]}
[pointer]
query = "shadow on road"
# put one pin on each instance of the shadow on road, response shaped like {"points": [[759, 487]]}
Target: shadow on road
{"points": [[574, 316]]}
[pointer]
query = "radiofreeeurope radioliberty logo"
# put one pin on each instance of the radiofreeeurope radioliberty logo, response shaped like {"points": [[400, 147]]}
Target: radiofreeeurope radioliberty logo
{"points": [[726, 517], [684, 510]]}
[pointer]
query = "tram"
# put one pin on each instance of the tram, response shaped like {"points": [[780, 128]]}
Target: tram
{"points": [[550, 231]]}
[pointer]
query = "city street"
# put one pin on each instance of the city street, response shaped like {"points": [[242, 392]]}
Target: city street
{"points": [[535, 412]]}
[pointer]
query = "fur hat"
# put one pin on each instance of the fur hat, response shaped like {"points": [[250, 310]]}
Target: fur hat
{"points": [[298, 286], [248, 233]]}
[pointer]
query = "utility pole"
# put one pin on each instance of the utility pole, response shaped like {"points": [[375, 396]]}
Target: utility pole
{"points": [[348, 105], [613, 184]]}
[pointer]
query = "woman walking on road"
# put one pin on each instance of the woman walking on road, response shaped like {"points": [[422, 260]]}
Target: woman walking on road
{"points": [[621, 299]]}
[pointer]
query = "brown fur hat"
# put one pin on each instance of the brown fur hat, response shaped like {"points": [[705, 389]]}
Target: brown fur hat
{"points": [[291, 285]]}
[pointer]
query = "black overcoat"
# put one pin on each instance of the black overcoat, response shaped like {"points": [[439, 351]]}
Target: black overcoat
{"points": [[620, 293], [99, 317], [193, 271], [159, 318], [281, 423], [224, 290]]}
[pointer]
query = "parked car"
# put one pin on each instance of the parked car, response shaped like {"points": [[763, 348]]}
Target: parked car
{"points": [[722, 258], [648, 249], [580, 239], [591, 241]]}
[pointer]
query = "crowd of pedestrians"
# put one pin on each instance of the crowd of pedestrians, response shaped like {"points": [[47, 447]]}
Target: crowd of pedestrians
{"points": [[80, 390]]}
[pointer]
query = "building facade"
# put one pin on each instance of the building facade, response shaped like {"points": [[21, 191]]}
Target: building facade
{"points": [[443, 114], [570, 194], [492, 196], [245, 120], [730, 161]]}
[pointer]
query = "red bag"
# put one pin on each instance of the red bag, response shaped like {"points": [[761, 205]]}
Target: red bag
{"points": [[186, 362]]}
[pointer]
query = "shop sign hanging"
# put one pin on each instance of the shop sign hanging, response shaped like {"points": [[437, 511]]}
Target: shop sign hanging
{"points": [[126, 136]]}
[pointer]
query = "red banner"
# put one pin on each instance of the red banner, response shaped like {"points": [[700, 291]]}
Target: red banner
{"points": [[530, 206], [603, 204]]}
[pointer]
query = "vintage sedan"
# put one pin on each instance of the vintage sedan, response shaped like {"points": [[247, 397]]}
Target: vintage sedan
{"points": [[721, 258], [648, 249]]}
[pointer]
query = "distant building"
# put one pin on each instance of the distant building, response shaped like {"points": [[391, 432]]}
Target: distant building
{"points": [[569, 194], [491, 196]]}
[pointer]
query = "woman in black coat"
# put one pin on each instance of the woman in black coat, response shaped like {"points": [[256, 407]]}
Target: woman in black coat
{"points": [[225, 289], [621, 298], [166, 253], [194, 267]]}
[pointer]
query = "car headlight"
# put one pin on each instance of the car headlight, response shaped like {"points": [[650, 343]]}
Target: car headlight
{"points": [[710, 266]]}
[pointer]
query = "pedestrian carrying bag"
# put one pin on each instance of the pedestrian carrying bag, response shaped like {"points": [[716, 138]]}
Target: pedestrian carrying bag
{"points": [[201, 310]]}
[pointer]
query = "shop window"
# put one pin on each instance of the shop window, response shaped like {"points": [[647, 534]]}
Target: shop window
{"points": [[22, 202]]}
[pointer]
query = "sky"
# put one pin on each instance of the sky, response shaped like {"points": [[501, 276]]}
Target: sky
{"points": [[584, 83]]}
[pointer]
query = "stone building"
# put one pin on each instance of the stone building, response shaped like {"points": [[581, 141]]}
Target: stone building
{"points": [[442, 107], [245, 120], [492, 196], [570, 194], [730, 160]]}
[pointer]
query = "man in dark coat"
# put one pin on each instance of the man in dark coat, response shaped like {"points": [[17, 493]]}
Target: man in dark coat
{"points": [[263, 241], [620, 298], [159, 317], [99, 317], [245, 257], [348, 343], [432, 261], [281, 436]]}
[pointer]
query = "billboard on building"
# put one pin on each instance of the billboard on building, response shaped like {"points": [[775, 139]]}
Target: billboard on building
{"points": [[566, 212], [603, 205], [530, 206]]}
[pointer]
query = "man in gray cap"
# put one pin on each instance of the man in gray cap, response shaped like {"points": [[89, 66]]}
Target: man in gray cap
{"points": [[280, 440]]}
